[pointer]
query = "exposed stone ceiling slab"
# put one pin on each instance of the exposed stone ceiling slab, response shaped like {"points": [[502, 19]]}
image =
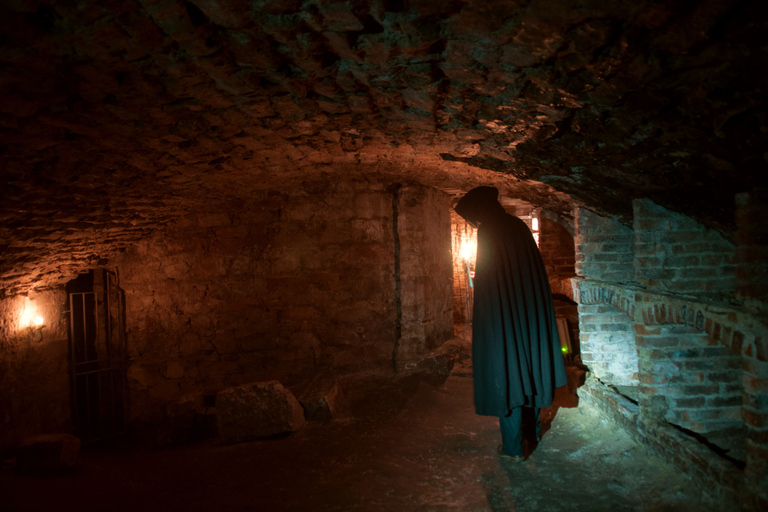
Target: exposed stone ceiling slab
{"points": [[117, 116]]}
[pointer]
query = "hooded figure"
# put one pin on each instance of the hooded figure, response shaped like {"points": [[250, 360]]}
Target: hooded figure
{"points": [[516, 352]]}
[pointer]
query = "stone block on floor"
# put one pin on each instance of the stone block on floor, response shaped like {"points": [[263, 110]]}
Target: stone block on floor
{"points": [[442, 360], [321, 398], [436, 364], [47, 452], [257, 410], [439, 362]]}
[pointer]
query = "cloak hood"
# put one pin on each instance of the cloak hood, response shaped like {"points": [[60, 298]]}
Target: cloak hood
{"points": [[479, 205]]}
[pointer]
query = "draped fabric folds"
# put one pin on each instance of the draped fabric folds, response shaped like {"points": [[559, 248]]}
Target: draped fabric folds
{"points": [[515, 345]]}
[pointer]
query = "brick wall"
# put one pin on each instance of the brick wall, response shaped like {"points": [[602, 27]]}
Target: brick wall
{"points": [[701, 357], [675, 253], [755, 414], [698, 378], [604, 251], [604, 247], [608, 344], [461, 233], [752, 283], [702, 366], [717, 478], [744, 335]]}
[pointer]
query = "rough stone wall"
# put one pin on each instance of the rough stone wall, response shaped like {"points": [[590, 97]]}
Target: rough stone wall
{"points": [[424, 231], [34, 364], [282, 286], [141, 99], [276, 288], [604, 247], [674, 253]]}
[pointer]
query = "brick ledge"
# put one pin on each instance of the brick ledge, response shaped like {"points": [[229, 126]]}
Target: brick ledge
{"points": [[734, 327]]}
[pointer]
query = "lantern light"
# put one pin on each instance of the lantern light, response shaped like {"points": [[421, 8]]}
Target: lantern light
{"points": [[468, 250], [31, 323]]}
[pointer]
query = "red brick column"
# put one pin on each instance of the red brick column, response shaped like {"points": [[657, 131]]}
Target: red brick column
{"points": [[752, 245], [755, 412]]}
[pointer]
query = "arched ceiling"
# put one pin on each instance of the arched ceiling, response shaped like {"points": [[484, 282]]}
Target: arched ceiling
{"points": [[117, 116]]}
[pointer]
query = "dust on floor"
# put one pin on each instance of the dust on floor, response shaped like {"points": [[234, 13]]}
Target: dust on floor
{"points": [[407, 444]]}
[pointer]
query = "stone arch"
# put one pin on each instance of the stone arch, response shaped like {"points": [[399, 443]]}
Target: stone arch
{"points": [[600, 293]]}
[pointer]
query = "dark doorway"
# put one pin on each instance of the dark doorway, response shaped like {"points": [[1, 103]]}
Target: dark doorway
{"points": [[97, 355]]}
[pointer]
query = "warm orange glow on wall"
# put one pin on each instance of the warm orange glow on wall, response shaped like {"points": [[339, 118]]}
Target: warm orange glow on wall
{"points": [[534, 225], [29, 317], [30, 322]]}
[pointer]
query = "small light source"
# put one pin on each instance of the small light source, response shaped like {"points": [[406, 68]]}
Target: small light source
{"points": [[467, 250], [564, 335], [535, 224], [31, 324]]}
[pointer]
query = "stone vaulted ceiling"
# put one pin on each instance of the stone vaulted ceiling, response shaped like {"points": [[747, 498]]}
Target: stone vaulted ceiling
{"points": [[117, 116]]}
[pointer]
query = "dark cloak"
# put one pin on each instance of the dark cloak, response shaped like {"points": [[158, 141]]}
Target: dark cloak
{"points": [[516, 352]]}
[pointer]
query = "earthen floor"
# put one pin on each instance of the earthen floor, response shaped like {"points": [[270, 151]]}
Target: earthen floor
{"points": [[412, 444]]}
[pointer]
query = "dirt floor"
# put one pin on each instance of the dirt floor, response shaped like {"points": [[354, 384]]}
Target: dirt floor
{"points": [[410, 444]]}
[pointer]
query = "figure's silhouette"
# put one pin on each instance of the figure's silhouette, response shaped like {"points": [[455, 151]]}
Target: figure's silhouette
{"points": [[515, 346]]}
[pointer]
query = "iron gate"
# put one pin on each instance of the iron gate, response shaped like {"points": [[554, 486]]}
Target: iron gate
{"points": [[98, 359]]}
